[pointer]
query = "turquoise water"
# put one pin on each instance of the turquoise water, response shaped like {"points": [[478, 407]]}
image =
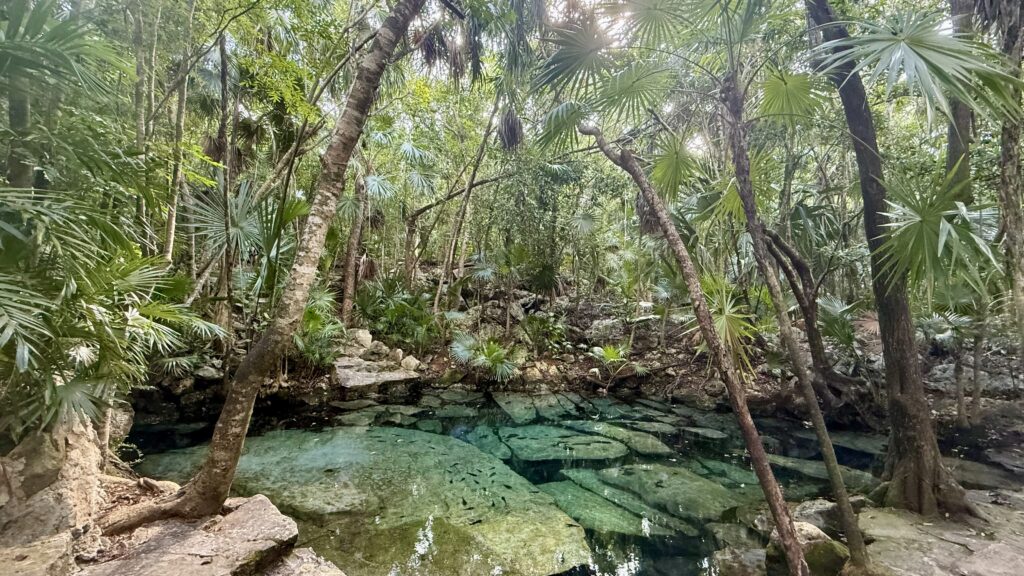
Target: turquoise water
{"points": [[463, 483]]}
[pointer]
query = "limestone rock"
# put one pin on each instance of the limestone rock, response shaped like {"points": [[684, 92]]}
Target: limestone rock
{"points": [[739, 562], [362, 378], [597, 514], [519, 407], [456, 411], [354, 404], [430, 425], [387, 497], [589, 479], [856, 480], [605, 331], [675, 490], [377, 351], [410, 363], [977, 475], [304, 562], [484, 438], [361, 337], [121, 418], [208, 373], [536, 443], [47, 557], [660, 428], [245, 541], [639, 442], [396, 355], [824, 556]]}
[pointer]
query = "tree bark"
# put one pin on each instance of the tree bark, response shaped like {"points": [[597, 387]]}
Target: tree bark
{"points": [[976, 372], [958, 150], [737, 132], [206, 492], [449, 255], [348, 293], [625, 160], [917, 479], [177, 177], [961, 400]]}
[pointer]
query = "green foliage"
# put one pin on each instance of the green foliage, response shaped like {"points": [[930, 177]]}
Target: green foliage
{"points": [[320, 333], [614, 361], [488, 357], [545, 333], [733, 322], [397, 316]]}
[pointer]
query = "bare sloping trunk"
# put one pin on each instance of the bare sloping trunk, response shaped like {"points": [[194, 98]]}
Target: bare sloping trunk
{"points": [[625, 160], [741, 163], [917, 479], [206, 492]]}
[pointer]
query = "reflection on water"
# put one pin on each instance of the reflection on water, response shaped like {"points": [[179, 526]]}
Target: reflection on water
{"points": [[463, 484]]}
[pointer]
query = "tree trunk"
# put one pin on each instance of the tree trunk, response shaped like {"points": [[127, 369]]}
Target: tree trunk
{"points": [[625, 160], [958, 380], [352, 253], [177, 177], [917, 479], [449, 255], [206, 492], [958, 150], [1011, 204], [744, 185], [976, 372]]}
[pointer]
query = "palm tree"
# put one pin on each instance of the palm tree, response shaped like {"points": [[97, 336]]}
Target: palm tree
{"points": [[208, 489]]}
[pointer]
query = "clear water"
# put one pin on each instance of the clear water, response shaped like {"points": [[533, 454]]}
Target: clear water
{"points": [[646, 489]]}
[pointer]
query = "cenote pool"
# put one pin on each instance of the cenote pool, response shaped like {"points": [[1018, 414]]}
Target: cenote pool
{"points": [[466, 484]]}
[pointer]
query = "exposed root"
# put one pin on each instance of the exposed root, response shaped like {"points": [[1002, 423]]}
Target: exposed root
{"points": [[126, 519]]}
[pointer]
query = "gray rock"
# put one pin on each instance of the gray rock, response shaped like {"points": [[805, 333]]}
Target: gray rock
{"points": [[675, 490], [729, 535], [396, 355], [47, 557], [430, 425], [856, 480], [377, 351], [410, 363], [461, 396], [589, 480], [122, 416], [363, 417], [519, 407], [606, 331], [354, 404], [304, 562], [537, 443], [250, 538], [1011, 459], [639, 442], [595, 513], [484, 438], [363, 378], [361, 337], [391, 497], [649, 427], [456, 411], [739, 562], [431, 401], [979, 476], [824, 556], [705, 435], [549, 408], [208, 373]]}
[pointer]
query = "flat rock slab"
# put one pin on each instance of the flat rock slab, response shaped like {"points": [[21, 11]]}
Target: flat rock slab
{"points": [[47, 557], [598, 514], [703, 434], [871, 444], [639, 442], [979, 476], [456, 411], [519, 407], [244, 542], [589, 480], [549, 408], [675, 490], [662, 428], [304, 562], [373, 499], [538, 443], [364, 377], [856, 480], [484, 438]]}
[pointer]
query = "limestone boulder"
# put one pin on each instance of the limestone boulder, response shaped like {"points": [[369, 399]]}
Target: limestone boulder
{"points": [[538, 443]]}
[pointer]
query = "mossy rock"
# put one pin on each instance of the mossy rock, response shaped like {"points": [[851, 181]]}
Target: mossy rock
{"points": [[540, 443], [673, 489], [599, 515], [639, 442], [824, 558]]}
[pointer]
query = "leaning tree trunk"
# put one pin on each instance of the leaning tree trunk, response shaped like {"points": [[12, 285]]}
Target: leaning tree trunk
{"points": [[206, 492], [917, 479], [19, 161], [177, 174], [958, 147], [737, 130], [625, 160]]}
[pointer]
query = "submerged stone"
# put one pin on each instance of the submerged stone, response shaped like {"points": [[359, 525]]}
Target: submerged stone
{"points": [[703, 434], [598, 514], [649, 427], [455, 411], [461, 396], [589, 479], [535, 443], [363, 417], [519, 407], [430, 425], [354, 404], [402, 502], [609, 408], [484, 438], [672, 489], [549, 408], [431, 401], [639, 442], [856, 480]]}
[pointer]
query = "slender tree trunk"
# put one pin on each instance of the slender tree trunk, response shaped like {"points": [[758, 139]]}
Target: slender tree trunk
{"points": [[917, 479], [352, 253], [625, 160], [177, 177], [206, 492], [958, 150], [976, 371], [19, 161], [737, 130], [961, 401], [449, 255], [1011, 203]]}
